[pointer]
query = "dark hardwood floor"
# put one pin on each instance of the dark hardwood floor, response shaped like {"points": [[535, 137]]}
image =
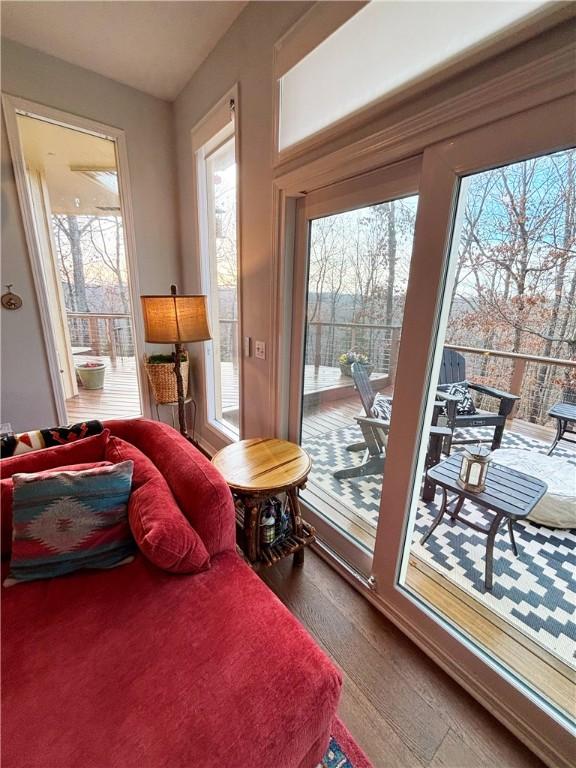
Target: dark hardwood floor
{"points": [[402, 709]]}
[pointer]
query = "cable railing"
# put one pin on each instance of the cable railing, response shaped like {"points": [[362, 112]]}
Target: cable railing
{"points": [[228, 340], [326, 342], [539, 381], [97, 333]]}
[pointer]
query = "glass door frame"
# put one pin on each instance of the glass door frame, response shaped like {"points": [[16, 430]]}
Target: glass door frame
{"points": [[396, 181], [537, 131], [12, 107]]}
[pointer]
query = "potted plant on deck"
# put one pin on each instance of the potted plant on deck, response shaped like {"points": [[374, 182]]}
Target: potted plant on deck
{"points": [[346, 360], [91, 374]]}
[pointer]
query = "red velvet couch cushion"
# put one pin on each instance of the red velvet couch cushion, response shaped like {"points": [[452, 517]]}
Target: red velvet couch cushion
{"points": [[199, 489], [161, 531], [137, 668]]}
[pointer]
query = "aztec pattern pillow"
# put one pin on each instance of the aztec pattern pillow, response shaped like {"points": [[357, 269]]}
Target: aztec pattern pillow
{"points": [[14, 445], [7, 492], [465, 405], [382, 407], [66, 521]]}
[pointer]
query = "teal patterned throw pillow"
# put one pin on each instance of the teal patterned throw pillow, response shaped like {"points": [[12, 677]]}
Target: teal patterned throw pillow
{"points": [[66, 521]]}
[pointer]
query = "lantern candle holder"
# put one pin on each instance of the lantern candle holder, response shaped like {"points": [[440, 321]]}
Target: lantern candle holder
{"points": [[474, 468]]}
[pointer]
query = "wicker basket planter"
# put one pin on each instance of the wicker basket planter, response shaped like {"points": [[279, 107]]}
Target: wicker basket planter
{"points": [[163, 380]]}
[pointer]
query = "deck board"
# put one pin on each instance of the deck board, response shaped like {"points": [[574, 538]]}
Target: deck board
{"points": [[118, 399]]}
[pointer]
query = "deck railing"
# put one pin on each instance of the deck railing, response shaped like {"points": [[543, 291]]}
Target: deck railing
{"points": [[98, 333], [539, 381], [229, 340], [327, 341]]}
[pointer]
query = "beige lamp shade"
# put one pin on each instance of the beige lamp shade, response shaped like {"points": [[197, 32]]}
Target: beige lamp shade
{"points": [[175, 319]]}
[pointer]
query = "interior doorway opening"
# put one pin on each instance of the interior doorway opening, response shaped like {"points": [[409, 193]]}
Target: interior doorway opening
{"points": [[73, 188]]}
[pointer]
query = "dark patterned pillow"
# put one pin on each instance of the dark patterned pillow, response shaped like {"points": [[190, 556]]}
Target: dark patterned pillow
{"points": [[465, 405], [382, 407], [14, 445]]}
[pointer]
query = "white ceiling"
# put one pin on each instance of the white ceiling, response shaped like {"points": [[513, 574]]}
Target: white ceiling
{"points": [[56, 152], [152, 46]]}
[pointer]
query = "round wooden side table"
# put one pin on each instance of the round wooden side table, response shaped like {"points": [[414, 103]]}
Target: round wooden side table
{"points": [[256, 470]]}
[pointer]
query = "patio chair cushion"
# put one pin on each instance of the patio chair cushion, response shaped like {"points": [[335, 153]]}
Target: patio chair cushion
{"points": [[465, 405], [382, 407]]}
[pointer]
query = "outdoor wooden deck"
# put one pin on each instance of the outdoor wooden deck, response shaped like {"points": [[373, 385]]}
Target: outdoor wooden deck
{"points": [[326, 382], [328, 416], [321, 418], [330, 401], [117, 400]]}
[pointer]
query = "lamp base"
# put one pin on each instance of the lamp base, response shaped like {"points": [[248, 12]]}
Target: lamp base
{"points": [[180, 390]]}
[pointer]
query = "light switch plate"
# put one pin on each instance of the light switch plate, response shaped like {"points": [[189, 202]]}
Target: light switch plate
{"points": [[260, 350]]}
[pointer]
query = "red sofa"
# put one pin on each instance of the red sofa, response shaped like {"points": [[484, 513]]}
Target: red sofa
{"points": [[139, 667]]}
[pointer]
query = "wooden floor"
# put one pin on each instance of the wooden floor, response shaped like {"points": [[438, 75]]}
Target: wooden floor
{"points": [[402, 709], [118, 399], [325, 379]]}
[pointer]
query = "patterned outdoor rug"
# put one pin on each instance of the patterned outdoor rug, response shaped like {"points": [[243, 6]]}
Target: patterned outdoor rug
{"points": [[343, 752], [535, 591]]}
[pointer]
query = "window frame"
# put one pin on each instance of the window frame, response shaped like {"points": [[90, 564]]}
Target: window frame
{"points": [[318, 24], [216, 129]]}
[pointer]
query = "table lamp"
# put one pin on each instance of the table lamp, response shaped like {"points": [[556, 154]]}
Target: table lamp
{"points": [[177, 320]]}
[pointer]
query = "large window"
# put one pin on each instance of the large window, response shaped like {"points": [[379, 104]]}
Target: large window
{"points": [[326, 86], [217, 204]]}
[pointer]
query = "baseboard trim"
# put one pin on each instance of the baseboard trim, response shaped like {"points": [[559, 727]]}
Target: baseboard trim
{"points": [[508, 717]]}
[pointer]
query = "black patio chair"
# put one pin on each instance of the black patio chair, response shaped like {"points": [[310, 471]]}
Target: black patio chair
{"points": [[375, 433], [453, 371]]}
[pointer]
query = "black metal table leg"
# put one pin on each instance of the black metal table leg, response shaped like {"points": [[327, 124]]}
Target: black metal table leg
{"points": [[561, 425], [456, 512], [438, 517], [511, 532], [490, 550]]}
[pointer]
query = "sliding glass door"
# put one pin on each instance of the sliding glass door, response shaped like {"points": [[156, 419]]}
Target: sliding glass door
{"points": [[353, 271], [499, 562], [433, 316], [486, 357]]}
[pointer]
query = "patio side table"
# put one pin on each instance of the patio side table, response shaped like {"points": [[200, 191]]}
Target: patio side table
{"points": [[510, 494], [565, 415]]}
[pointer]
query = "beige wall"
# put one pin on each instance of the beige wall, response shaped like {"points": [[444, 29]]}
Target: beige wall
{"points": [[26, 389], [243, 56]]}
